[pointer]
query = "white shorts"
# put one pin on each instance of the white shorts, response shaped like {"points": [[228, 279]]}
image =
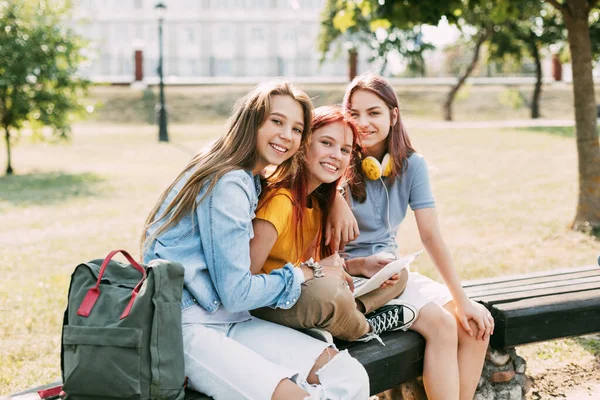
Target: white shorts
{"points": [[421, 290]]}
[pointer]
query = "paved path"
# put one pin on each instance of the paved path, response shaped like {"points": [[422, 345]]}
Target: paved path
{"points": [[590, 391], [509, 123]]}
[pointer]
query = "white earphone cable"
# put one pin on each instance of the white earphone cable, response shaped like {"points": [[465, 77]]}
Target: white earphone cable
{"points": [[387, 195]]}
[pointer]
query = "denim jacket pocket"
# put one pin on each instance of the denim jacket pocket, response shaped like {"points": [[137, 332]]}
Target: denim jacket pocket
{"points": [[175, 237]]}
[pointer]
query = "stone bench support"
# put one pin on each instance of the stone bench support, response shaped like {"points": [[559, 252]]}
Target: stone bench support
{"points": [[503, 378]]}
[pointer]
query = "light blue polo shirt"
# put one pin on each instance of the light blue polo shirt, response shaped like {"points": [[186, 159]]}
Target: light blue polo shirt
{"points": [[376, 234]]}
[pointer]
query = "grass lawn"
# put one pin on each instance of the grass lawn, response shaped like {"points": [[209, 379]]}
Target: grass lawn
{"points": [[505, 199], [199, 104]]}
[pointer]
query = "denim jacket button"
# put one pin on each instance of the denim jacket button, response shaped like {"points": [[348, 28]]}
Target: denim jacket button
{"points": [[215, 302], [287, 303], [293, 300]]}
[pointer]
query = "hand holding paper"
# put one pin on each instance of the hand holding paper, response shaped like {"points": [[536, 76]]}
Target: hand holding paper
{"points": [[364, 285]]}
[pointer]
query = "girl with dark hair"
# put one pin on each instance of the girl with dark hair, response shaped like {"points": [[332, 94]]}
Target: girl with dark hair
{"points": [[290, 225], [204, 221], [390, 177]]}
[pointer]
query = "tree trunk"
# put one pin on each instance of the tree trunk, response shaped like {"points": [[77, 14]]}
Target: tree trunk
{"points": [[587, 218], [9, 169], [382, 69], [447, 107], [537, 91], [352, 64]]}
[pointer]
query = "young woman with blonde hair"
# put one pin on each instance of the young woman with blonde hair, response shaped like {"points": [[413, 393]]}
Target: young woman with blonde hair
{"points": [[204, 221]]}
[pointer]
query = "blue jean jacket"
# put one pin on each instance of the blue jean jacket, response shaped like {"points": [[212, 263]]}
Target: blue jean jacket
{"points": [[213, 245]]}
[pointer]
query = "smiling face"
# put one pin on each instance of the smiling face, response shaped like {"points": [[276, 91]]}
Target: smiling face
{"points": [[279, 137], [328, 154], [374, 120]]}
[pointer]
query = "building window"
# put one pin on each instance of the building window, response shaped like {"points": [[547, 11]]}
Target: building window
{"points": [[257, 34], [190, 35], [225, 34], [257, 3], [139, 30], [289, 35], [224, 67]]}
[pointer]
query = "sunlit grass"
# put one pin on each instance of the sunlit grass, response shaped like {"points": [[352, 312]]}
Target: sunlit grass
{"points": [[565, 131], [201, 104], [505, 199]]}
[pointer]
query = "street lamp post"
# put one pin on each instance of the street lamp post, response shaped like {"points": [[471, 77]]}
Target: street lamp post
{"points": [[163, 136]]}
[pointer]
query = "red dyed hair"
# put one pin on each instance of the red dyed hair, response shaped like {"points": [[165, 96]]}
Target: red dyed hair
{"points": [[398, 143], [297, 182]]}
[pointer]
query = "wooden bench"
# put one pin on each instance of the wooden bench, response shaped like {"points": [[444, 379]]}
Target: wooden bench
{"points": [[542, 305], [526, 308]]}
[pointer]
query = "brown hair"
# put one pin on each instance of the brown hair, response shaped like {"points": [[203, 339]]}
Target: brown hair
{"points": [[398, 143], [236, 149]]}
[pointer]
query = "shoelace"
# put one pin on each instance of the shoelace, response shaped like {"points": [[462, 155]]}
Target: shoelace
{"points": [[385, 321], [370, 336]]}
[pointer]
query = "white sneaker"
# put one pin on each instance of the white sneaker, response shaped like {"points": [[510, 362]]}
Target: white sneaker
{"points": [[367, 337], [318, 333]]}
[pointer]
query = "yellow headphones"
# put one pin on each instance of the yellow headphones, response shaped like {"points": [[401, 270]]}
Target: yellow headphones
{"points": [[374, 170]]}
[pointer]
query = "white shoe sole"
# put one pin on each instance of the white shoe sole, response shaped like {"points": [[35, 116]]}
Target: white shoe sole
{"points": [[410, 318]]}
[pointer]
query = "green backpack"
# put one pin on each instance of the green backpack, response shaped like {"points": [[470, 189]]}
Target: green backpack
{"points": [[122, 331]]}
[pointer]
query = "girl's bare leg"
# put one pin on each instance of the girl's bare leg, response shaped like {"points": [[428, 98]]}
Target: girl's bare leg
{"points": [[471, 355], [288, 390], [440, 368]]}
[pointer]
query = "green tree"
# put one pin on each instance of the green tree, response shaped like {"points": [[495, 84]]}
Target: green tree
{"points": [[486, 19], [39, 59], [360, 18], [478, 39], [354, 22], [537, 27], [407, 42], [576, 16]]}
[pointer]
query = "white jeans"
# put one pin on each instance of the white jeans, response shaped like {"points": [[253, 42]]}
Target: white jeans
{"points": [[247, 360]]}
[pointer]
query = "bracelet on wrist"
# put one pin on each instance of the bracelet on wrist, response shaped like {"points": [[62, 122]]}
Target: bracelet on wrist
{"points": [[315, 266]]}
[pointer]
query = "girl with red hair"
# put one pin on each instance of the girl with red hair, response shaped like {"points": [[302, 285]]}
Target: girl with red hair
{"points": [[290, 225]]}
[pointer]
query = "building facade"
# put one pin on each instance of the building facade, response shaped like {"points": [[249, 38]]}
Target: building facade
{"points": [[206, 40]]}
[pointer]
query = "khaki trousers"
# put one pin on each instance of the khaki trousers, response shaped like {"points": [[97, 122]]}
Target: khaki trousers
{"points": [[328, 304]]}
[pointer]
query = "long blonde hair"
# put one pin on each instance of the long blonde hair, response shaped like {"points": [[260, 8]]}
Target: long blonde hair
{"points": [[236, 149]]}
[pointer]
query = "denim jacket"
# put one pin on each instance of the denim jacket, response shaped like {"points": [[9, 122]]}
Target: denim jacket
{"points": [[213, 245]]}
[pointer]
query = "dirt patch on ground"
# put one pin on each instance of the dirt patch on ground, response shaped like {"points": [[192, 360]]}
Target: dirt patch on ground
{"points": [[573, 381]]}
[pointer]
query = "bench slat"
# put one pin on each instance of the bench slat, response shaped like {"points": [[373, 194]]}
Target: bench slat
{"points": [[562, 285], [558, 302], [32, 394], [511, 297], [520, 284], [516, 278]]}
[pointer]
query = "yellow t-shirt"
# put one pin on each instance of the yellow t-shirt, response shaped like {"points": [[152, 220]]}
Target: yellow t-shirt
{"points": [[279, 211]]}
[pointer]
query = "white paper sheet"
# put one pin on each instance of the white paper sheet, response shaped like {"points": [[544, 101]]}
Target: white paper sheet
{"points": [[364, 285]]}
